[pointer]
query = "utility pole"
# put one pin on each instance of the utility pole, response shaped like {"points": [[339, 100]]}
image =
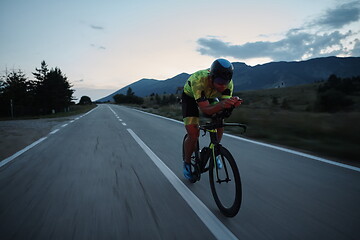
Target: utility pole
{"points": [[12, 108], [11, 101]]}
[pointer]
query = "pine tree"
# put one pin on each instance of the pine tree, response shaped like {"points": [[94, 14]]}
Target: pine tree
{"points": [[54, 91], [41, 72]]}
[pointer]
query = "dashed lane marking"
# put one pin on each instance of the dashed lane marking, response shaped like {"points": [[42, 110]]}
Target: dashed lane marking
{"points": [[12, 157]]}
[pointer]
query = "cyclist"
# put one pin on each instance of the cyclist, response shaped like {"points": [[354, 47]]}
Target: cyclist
{"points": [[199, 89]]}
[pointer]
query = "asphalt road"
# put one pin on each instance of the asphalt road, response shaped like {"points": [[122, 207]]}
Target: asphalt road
{"points": [[116, 173]]}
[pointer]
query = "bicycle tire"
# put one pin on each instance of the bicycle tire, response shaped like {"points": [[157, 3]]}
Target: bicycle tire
{"points": [[195, 167], [229, 210]]}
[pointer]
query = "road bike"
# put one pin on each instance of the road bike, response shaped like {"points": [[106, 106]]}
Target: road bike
{"points": [[224, 175]]}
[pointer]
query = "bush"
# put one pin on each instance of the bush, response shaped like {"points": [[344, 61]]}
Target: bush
{"points": [[332, 100], [85, 100], [332, 95], [121, 99], [285, 104]]}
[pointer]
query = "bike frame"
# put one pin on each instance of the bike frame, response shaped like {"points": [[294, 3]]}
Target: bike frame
{"points": [[214, 144], [201, 159], [217, 122]]}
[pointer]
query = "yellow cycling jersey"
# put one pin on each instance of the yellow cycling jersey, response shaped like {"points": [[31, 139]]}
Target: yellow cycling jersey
{"points": [[199, 87]]}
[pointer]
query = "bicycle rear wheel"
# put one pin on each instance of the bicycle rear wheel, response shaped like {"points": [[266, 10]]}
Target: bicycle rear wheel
{"points": [[225, 183], [195, 170]]}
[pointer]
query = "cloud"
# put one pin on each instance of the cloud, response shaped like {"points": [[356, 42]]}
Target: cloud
{"points": [[98, 46], [323, 36], [96, 27], [80, 80], [296, 45], [356, 50], [340, 16]]}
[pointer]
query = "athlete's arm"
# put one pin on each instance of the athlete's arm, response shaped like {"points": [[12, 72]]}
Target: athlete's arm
{"points": [[209, 109]]}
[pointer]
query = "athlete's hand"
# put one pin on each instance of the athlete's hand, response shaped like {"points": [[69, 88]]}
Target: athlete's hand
{"points": [[227, 103], [237, 101], [231, 102]]}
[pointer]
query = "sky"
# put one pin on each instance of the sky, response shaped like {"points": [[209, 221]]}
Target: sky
{"points": [[104, 45]]}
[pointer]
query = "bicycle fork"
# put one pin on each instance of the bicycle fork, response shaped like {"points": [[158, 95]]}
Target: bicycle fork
{"points": [[215, 144]]}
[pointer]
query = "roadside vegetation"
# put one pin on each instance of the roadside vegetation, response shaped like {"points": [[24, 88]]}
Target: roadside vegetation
{"points": [[320, 118], [72, 110], [49, 94]]}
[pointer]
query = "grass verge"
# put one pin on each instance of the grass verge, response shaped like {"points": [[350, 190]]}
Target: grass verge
{"points": [[74, 110], [329, 135]]}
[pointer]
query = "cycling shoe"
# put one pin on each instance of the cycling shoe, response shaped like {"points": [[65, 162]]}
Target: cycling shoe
{"points": [[187, 172]]}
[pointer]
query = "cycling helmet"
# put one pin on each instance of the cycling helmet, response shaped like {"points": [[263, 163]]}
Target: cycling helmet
{"points": [[221, 71]]}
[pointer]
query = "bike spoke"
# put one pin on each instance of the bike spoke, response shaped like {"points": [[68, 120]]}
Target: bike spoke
{"points": [[225, 184]]}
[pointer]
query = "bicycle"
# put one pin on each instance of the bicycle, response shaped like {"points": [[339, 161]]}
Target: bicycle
{"points": [[206, 160]]}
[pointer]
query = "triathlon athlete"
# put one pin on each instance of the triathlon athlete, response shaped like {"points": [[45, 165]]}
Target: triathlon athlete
{"points": [[199, 91]]}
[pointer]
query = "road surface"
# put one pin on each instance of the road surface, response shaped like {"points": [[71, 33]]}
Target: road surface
{"points": [[116, 173]]}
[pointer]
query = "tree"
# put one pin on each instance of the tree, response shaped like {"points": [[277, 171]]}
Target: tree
{"points": [[333, 95], [120, 98], [85, 100], [50, 90], [345, 85], [157, 98], [332, 100], [17, 91], [164, 100], [41, 72], [2, 84], [130, 92], [130, 97], [54, 91], [172, 99]]}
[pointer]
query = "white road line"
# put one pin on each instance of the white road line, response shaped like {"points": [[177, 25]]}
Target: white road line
{"points": [[7, 160], [271, 146], [117, 116], [296, 153], [216, 227], [54, 131], [64, 125], [111, 110], [151, 114], [88, 112]]}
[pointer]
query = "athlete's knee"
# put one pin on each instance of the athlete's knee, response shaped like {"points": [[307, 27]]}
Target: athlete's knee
{"points": [[193, 132], [193, 137]]}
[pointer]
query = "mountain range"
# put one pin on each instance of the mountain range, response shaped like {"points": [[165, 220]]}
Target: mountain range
{"points": [[269, 75]]}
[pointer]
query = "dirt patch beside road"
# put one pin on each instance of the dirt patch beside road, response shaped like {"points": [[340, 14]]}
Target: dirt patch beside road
{"points": [[17, 134]]}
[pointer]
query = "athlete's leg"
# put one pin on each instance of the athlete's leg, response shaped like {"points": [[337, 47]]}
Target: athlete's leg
{"points": [[190, 113], [220, 132], [191, 140]]}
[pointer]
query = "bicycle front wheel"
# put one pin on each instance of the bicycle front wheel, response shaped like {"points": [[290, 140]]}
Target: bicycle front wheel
{"points": [[225, 183]]}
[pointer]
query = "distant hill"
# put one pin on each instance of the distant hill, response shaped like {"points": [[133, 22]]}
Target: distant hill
{"points": [[269, 75], [145, 87], [281, 74]]}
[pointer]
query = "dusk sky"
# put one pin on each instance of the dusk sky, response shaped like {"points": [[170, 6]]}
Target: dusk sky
{"points": [[102, 46]]}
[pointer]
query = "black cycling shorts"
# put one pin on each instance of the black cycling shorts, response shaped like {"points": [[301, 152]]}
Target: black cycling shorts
{"points": [[190, 110]]}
